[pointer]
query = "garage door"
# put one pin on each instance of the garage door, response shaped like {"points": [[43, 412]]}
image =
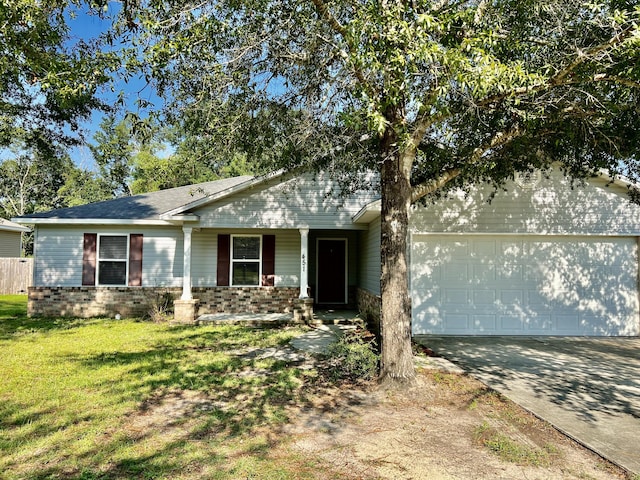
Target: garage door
{"points": [[514, 285]]}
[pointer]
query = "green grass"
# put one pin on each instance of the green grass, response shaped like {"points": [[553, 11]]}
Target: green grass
{"points": [[103, 399], [514, 451]]}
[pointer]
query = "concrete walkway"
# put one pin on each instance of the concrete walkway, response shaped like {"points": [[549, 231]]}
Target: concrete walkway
{"points": [[588, 388], [320, 338]]}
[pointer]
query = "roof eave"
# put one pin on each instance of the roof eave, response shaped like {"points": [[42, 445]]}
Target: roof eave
{"points": [[90, 221], [14, 228], [368, 213]]}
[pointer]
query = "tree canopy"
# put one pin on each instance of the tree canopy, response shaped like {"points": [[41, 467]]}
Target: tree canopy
{"points": [[432, 94], [50, 81]]}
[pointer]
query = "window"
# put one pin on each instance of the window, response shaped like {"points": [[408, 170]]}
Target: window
{"points": [[112, 259], [245, 260]]}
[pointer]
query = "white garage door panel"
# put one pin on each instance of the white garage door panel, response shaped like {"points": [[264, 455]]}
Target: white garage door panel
{"points": [[481, 285]]}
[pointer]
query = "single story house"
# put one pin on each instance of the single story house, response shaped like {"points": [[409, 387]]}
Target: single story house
{"points": [[11, 238], [542, 258]]}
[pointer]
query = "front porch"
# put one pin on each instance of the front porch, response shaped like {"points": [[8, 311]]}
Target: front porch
{"points": [[290, 271]]}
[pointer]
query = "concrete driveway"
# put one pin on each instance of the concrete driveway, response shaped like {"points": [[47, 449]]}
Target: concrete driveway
{"points": [[589, 388]]}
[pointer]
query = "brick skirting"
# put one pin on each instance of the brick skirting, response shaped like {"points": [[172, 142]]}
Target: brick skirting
{"points": [[86, 302], [245, 299], [369, 305]]}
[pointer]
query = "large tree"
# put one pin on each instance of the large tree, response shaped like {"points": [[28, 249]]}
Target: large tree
{"points": [[49, 80], [431, 94]]}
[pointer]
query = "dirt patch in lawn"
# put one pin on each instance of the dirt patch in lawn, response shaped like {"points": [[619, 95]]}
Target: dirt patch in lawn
{"points": [[448, 426]]}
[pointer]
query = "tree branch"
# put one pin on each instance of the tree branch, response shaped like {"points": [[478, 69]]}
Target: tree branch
{"points": [[324, 12], [336, 26], [558, 79], [433, 185]]}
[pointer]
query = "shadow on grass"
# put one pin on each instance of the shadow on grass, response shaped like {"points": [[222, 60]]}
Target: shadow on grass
{"points": [[203, 404]]}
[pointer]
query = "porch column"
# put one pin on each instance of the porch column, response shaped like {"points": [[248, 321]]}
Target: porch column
{"points": [[304, 263], [186, 269]]}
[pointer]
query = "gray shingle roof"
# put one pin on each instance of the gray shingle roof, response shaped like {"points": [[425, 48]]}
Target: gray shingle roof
{"points": [[147, 206]]}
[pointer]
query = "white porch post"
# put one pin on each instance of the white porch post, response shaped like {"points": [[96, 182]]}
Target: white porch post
{"points": [[186, 270], [304, 262]]}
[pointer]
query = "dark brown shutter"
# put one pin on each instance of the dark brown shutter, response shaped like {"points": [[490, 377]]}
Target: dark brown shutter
{"points": [[135, 260], [224, 259], [89, 259], [268, 260]]}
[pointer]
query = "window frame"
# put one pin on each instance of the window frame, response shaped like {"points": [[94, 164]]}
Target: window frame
{"points": [[99, 259], [233, 261]]}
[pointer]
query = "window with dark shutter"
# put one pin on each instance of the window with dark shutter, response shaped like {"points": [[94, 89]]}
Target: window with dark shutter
{"points": [[135, 260], [246, 256], [224, 242], [89, 259], [246, 260], [112, 259], [268, 260]]}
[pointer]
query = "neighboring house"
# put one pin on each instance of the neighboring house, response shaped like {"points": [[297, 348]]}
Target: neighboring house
{"points": [[11, 238], [542, 258]]}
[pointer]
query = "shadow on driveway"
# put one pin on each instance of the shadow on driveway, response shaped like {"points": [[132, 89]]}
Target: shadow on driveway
{"points": [[589, 388]]}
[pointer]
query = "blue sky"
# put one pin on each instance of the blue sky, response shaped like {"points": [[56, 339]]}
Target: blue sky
{"points": [[85, 26]]}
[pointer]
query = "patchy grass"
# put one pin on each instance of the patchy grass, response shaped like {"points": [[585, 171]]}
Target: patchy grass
{"points": [[100, 398], [514, 450]]}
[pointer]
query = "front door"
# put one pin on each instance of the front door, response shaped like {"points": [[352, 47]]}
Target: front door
{"points": [[331, 271]]}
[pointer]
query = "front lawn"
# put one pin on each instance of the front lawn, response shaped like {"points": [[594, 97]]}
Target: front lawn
{"points": [[105, 398]]}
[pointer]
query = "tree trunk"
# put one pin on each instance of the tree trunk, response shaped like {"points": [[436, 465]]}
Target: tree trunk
{"points": [[395, 316]]}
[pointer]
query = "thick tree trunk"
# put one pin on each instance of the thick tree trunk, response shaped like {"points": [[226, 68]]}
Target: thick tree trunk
{"points": [[395, 320]]}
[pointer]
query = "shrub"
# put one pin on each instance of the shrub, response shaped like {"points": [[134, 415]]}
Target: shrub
{"points": [[160, 306], [353, 357]]}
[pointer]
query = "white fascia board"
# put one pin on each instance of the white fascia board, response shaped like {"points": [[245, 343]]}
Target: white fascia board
{"points": [[182, 218], [368, 213], [222, 194], [619, 180], [14, 228], [92, 221]]}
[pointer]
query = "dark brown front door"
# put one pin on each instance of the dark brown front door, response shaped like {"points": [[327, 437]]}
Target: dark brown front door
{"points": [[332, 271]]}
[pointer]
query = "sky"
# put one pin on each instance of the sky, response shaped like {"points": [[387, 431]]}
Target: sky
{"points": [[84, 27]]}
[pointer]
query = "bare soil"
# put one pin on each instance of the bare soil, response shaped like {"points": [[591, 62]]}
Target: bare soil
{"points": [[442, 428], [447, 426]]}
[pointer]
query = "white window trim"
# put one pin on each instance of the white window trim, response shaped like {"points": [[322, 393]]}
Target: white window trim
{"points": [[233, 260], [99, 259]]}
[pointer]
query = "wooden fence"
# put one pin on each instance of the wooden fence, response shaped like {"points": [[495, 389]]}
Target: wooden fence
{"points": [[15, 275]]}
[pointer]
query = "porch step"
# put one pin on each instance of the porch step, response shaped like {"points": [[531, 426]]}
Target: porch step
{"points": [[336, 317], [251, 319], [321, 317]]}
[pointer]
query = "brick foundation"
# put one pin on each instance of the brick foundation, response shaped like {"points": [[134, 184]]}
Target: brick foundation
{"points": [[303, 310], [246, 299], [369, 305], [86, 302]]}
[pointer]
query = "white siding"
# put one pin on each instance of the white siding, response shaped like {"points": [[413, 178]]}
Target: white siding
{"points": [[370, 258], [552, 207], [58, 257], [162, 264], [205, 254], [295, 203], [58, 252], [9, 244]]}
